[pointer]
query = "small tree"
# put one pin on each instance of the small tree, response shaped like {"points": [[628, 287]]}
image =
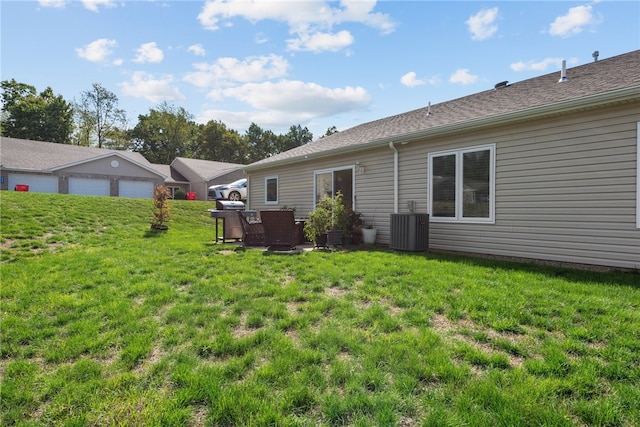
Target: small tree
{"points": [[330, 214], [162, 213]]}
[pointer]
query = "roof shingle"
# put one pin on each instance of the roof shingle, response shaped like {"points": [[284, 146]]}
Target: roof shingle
{"points": [[604, 76]]}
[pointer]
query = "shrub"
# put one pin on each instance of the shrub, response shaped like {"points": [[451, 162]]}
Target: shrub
{"points": [[180, 194], [162, 213], [329, 214]]}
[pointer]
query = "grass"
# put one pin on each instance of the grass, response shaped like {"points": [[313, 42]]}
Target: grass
{"points": [[104, 322]]}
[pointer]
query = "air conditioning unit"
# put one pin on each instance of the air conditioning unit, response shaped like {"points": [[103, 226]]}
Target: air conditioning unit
{"points": [[410, 232]]}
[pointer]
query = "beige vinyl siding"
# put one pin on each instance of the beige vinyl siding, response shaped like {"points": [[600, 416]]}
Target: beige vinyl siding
{"points": [[565, 191], [565, 188], [373, 188], [103, 167]]}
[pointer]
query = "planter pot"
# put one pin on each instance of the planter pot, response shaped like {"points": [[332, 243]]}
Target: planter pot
{"points": [[334, 237], [321, 240], [369, 235]]}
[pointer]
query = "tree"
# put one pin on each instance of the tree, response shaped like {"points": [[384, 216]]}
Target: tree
{"points": [[98, 116], [164, 134], [40, 117], [216, 142], [296, 137], [119, 139], [261, 144], [330, 131]]}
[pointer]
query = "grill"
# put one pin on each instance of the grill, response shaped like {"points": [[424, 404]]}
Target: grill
{"points": [[229, 205], [231, 226]]}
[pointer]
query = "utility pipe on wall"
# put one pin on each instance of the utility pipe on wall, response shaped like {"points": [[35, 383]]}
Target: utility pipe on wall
{"points": [[395, 176]]}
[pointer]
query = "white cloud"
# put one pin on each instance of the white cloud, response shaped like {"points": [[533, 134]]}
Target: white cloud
{"points": [[261, 38], [462, 76], [97, 50], [215, 10], [573, 22], [362, 11], [541, 65], [296, 14], [321, 42], [280, 104], [93, 5], [197, 49], [58, 4], [294, 96], [410, 80], [536, 66], [482, 24], [149, 52], [311, 21], [143, 85], [227, 70]]}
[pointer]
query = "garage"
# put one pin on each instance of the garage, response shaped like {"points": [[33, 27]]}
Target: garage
{"points": [[89, 186], [136, 189], [36, 183]]}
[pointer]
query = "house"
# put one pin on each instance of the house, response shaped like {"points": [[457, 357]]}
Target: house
{"points": [[546, 168], [202, 174], [70, 169]]}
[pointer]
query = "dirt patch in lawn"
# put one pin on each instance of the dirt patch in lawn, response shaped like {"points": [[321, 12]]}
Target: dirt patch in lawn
{"points": [[460, 330]]}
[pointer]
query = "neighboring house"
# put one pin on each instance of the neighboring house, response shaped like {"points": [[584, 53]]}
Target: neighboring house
{"points": [[203, 173], [70, 169], [545, 168], [174, 179]]}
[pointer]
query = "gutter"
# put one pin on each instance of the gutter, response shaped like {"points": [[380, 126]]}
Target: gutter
{"points": [[622, 95], [395, 176]]}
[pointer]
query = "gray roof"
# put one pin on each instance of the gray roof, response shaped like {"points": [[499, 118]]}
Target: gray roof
{"points": [[618, 76], [208, 169], [27, 155], [173, 176]]}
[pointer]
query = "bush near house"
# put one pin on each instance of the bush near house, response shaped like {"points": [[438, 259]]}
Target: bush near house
{"points": [[104, 322]]}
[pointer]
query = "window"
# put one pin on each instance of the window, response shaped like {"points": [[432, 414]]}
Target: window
{"points": [[461, 185], [329, 182], [271, 190]]}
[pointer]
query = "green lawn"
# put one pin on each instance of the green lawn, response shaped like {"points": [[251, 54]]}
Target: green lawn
{"points": [[104, 322]]}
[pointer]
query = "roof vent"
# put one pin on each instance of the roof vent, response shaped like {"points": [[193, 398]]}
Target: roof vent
{"points": [[595, 56], [429, 109], [563, 73], [501, 84]]}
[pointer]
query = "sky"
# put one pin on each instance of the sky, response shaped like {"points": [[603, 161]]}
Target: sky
{"points": [[319, 64]]}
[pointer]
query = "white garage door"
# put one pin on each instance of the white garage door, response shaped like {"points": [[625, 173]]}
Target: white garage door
{"points": [[89, 186], [139, 189], [36, 183]]}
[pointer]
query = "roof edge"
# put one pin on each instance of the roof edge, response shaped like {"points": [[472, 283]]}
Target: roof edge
{"points": [[104, 156], [587, 102]]}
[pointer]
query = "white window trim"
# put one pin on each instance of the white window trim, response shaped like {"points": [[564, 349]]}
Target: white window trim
{"points": [[459, 189], [339, 168], [638, 175], [266, 180]]}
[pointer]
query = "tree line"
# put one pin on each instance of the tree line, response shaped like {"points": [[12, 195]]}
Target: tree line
{"points": [[161, 135]]}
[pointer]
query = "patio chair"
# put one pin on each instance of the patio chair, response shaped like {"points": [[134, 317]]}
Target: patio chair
{"points": [[253, 232], [281, 231]]}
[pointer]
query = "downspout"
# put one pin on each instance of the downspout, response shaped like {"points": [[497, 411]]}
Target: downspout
{"points": [[395, 176]]}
